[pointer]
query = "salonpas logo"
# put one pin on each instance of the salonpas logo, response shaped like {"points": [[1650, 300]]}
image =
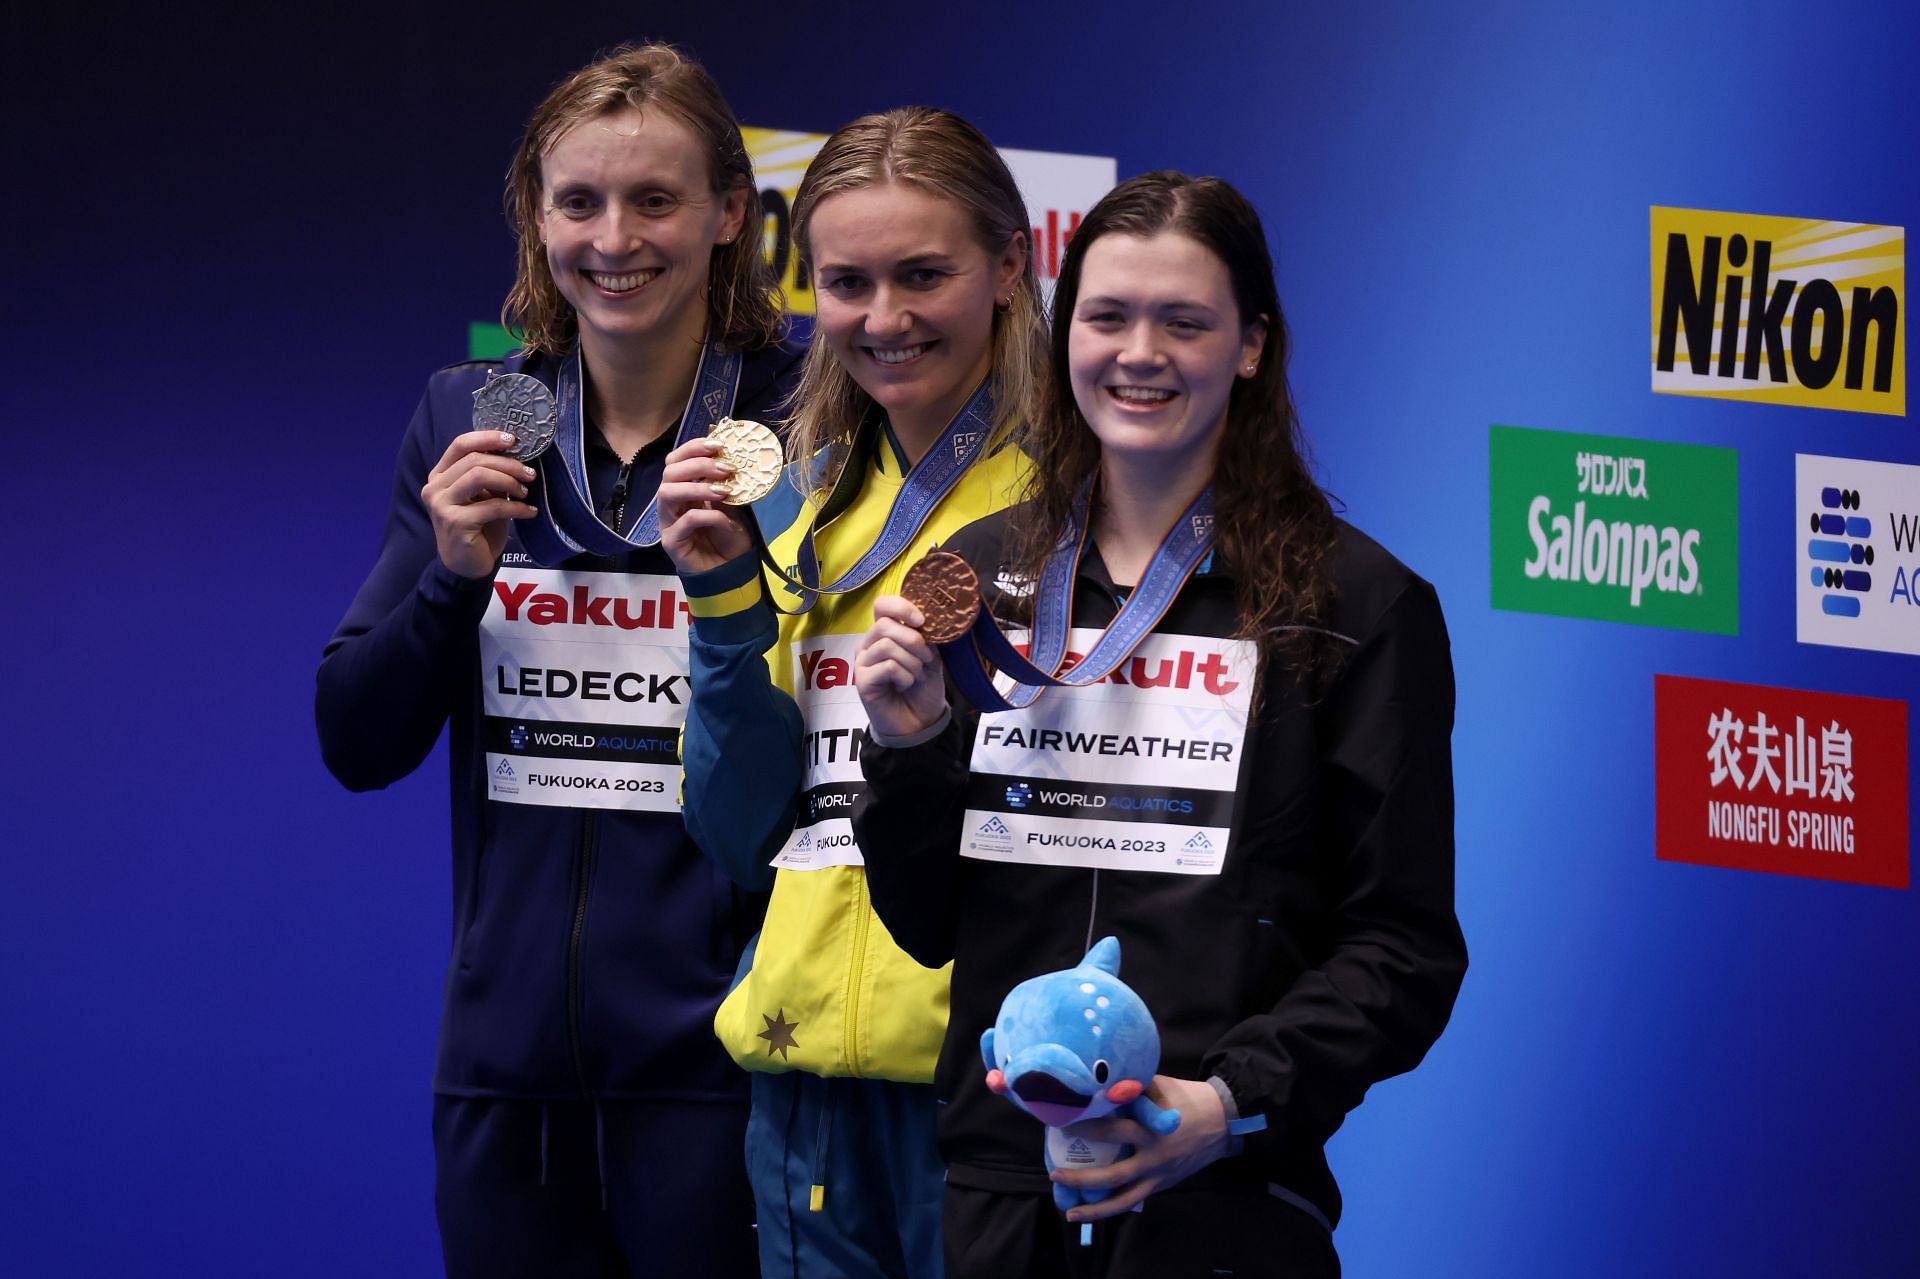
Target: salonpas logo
{"points": [[1785, 310], [1614, 529]]}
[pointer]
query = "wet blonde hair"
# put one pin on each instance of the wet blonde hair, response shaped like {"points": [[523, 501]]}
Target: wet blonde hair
{"points": [[949, 159], [742, 299]]}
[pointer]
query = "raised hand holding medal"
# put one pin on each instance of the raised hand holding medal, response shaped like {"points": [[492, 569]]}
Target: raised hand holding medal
{"points": [[752, 453], [1182, 548], [520, 406], [944, 588], [482, 481]]}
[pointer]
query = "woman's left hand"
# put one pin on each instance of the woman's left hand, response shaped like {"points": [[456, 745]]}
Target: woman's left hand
{"points": [[1156, 1162]]}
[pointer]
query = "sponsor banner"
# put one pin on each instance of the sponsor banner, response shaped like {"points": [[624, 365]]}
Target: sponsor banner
{"points": [[583, 687], [1058, 188], [1137, 772], [1858, 531], [1616, 530], [835, 727], [1782, 310], [1781, 780]]}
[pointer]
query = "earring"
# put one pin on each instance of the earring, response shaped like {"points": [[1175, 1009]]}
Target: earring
{"points": [[1251, 368]]}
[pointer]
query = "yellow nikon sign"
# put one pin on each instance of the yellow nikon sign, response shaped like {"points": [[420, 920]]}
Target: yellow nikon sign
{"points": [[1780, 310]]}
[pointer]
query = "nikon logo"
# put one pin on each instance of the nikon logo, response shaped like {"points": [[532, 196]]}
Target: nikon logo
{"points": [[1784, 310], [1617, 530]]}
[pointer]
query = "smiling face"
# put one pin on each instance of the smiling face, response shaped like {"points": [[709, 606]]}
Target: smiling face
{"points": [[1154, 345], [629, 218], [905, 299]]}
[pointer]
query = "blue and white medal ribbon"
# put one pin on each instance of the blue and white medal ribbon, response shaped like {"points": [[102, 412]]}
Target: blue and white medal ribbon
{"points": [[1182, 550], [568, 523], [930, 480]]}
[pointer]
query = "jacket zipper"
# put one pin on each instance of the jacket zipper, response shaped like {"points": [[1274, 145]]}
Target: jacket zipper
{"points": [[615, 514], [582, 874], [858, 959]]}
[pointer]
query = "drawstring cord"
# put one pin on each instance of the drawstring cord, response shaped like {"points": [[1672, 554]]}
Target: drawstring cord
{"points": [[817, 1192], [600, 1151], [543, 1143]]}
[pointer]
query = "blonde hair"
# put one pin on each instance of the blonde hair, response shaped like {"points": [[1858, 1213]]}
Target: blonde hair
{"points": [[946, 157], [742, 299]]}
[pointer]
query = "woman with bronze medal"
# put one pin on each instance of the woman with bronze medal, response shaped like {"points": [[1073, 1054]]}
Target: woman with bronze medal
{"points": [[1219, 733], [926, 354], [585, 1123]]}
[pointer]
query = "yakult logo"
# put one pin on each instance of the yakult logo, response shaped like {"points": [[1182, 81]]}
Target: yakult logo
{"points": [[525, 601], [1781, 780]]}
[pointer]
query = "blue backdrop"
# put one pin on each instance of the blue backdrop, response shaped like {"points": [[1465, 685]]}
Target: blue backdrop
{"points": [[245, 239]]}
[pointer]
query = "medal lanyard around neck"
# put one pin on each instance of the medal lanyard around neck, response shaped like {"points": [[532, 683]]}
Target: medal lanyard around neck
{"points": [[568, 523], [930, 480], [1182, 549]]}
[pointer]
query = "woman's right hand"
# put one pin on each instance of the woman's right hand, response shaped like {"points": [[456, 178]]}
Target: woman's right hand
{"points": [[698, 530], [470, 495], [898, 673]]}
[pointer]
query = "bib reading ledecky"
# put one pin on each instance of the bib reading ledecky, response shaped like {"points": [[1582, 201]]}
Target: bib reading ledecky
{"points": [[584, 688], [1135, 772]]}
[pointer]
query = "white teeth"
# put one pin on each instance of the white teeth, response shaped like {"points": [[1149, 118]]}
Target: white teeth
{"points": [[621, 283], [899, 355], [1141, 394]]}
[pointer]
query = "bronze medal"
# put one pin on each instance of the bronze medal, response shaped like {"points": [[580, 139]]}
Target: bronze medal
{"points": [[943, 587]]}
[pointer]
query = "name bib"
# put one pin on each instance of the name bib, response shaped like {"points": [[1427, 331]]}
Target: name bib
{"points": [[1135, 772], [584, 684], [835, 724]]}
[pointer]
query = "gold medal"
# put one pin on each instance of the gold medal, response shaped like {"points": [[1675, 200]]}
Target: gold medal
{"points": [[753, 451]]}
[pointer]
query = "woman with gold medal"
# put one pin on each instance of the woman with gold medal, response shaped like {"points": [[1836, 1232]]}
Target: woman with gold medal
{"points": [[1224, 740], [926, 355]]}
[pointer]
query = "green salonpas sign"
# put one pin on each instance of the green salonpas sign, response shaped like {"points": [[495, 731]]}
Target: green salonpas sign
{"points": [[1616, 530]]}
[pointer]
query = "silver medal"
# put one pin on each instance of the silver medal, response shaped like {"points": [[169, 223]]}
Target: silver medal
{"points": [[520, 405]]}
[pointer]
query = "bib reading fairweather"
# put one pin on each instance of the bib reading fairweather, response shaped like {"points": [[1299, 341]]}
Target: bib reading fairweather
{"points": [[584, 683], [1137, 772]]}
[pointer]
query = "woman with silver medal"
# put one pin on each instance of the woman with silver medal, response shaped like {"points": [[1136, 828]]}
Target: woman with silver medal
{"points": [[584, 1121], [927, 342], [1224, 740]]}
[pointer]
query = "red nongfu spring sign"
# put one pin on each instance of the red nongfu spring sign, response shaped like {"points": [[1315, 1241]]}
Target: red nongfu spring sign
{"points": [[1782, 780]]}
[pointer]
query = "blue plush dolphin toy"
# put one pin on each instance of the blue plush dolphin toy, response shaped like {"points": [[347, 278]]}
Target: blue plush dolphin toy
{"points": [[1073, 1045]]}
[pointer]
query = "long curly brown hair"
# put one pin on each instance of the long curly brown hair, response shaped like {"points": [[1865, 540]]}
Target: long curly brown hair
{"points": [[742, 298], [1273, 526]]}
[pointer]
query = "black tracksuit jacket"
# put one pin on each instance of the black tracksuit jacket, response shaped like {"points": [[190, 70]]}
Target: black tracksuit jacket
{"points": [[1323, 958]]}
